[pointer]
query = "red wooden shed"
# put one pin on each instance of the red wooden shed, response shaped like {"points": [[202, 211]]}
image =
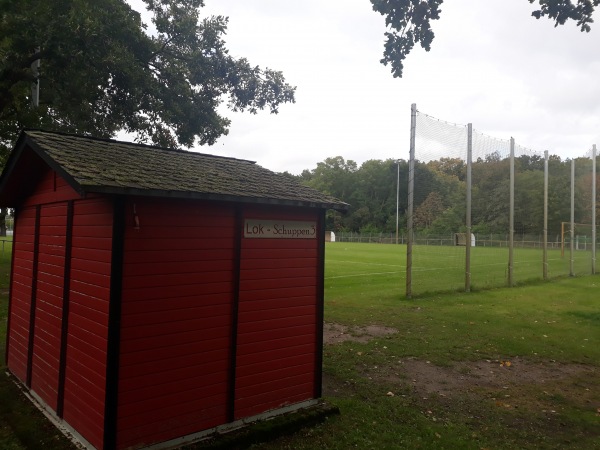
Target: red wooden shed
{"points": [[158, 295]]}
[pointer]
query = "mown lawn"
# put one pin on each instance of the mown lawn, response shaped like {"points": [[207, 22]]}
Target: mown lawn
{"points": [[442, 268]]}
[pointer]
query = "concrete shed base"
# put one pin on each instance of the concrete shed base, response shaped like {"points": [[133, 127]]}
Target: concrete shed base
{"points": [[267, 429]]}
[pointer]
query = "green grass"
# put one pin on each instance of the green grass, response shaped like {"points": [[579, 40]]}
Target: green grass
{"points": [[442, 268], [355, 296], [548, 330]]}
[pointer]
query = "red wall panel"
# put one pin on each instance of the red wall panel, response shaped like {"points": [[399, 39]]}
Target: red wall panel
{"points": [[277, 318], [20, 292], [86, 345], [85, 372], [175, 319]]}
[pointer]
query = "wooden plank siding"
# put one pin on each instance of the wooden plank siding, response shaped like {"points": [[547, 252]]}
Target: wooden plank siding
{"points": [[85, 368], [49, 189], [275, 361], [49, 303], [86, 353], [20, 292], [185, 302], [175, 319]]}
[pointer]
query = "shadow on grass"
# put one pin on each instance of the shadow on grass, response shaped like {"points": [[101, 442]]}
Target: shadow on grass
{"points": [[22, 424]]}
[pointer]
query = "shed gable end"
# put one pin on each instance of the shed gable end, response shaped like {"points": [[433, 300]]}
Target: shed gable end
{"points": [[49, 188]]}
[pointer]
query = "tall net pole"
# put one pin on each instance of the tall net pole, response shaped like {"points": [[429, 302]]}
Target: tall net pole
{"points": [[594, 209], [511, 215], [411, 190], [468, 214], [545, 237], [397, 199], [572, 230]]}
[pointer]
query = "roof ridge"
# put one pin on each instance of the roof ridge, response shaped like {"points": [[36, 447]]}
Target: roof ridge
{"points": [[133, 144]]}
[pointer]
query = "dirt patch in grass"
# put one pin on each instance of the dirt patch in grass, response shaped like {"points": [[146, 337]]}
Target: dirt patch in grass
{"points": [[531, 400], [334, 333], [427, 378], [544, 403]]}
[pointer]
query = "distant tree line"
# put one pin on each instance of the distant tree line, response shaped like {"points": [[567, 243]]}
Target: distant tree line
{"points": [[440, 193]]}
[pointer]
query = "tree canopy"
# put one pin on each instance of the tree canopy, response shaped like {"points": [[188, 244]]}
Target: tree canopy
{"points": [[409, 23], [102, 71], [372, 190]]}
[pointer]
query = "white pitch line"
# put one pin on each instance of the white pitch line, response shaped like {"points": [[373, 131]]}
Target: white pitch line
{"points": [[361, 275], [365, 263], [415, 268]]}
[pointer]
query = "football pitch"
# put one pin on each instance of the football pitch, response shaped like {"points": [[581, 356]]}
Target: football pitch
{"points": [[381, 268]]}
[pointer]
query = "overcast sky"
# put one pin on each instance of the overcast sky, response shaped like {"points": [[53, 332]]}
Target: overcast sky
{"points": [[491, 64]]}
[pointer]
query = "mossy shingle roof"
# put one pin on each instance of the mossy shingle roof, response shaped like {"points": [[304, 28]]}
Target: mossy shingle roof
{"points": [[93, 165]]}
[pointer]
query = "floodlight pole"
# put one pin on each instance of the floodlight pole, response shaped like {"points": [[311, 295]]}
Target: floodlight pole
{"points": [[35, 86]]}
